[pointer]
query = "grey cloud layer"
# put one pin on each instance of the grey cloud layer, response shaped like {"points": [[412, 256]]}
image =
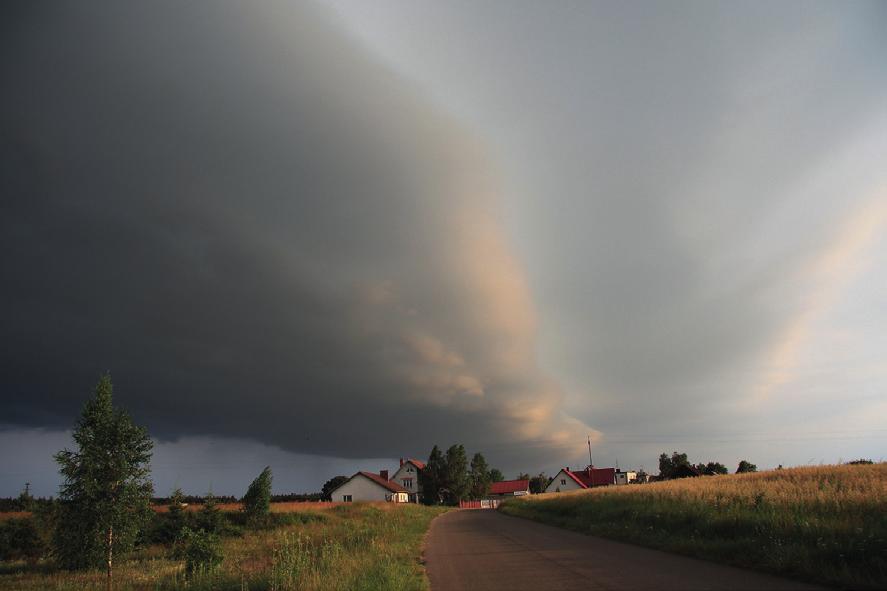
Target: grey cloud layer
{"points": [[260, 232], [678, 172]]}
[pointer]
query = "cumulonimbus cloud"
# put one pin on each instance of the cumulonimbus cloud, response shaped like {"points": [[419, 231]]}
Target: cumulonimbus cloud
{"points": [[261, 232]]}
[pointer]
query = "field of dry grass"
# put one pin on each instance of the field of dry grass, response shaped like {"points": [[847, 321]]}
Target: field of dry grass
{"points": [[826, 524], [288, 507], [335, 547]]}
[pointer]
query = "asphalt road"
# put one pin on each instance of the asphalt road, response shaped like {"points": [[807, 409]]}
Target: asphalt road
{"points": [[485, 550]]}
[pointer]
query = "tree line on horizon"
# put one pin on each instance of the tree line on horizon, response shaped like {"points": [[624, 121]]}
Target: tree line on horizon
{"points": [[678, 466]]}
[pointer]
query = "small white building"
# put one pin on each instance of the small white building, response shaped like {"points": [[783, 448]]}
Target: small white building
{"points": [[407, 476], [626, 477], [366, 486]]}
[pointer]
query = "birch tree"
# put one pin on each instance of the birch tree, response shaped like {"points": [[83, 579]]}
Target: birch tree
{"points": [[105, 495]]}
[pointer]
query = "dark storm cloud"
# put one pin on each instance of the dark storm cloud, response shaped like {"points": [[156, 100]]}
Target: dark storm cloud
{"points": [[259, 231]]}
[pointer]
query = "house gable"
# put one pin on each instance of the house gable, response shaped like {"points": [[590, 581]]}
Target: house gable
{"points": [[564, 481], [407, 475], [366, 486]]}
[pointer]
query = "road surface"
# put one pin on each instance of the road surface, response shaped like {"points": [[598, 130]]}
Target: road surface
{"points": [[485, 550]]}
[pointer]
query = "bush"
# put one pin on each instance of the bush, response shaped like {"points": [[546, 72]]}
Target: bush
{"points": [[21, 539], [201, 551], [210, 517]]}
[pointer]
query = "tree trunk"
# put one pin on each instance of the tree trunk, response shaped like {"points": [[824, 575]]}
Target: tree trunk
{"points": [[110, 554]]}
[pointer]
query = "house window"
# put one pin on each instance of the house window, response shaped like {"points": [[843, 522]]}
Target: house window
{"points": [[563, 482], [407, 483], [347, 498], [409, 469]]}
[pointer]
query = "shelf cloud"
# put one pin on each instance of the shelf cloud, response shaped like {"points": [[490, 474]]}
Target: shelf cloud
{"points": [[261, 232]]}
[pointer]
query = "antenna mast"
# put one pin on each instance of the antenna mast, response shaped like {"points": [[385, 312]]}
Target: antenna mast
{"points": [[590, 461]]}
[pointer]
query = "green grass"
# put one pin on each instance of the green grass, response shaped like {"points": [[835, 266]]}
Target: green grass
{"points": [[343, 547], [824, 524]]}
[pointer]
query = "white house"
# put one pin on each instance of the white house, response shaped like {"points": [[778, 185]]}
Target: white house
{"points": [[626, 476], [567, 480], [366, 486], [564, 481], [407, 476]]}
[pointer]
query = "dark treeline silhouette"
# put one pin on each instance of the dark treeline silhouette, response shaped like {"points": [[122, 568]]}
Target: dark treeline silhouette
{"points": [[449, 477]]}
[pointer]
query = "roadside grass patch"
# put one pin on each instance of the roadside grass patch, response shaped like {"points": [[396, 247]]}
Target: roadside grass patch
{"points": [[824, 524], [361, 546]]}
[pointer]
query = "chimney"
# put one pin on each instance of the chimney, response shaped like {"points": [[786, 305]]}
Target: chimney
{"points": [[567, 468], [383, 474], [401, 462]]}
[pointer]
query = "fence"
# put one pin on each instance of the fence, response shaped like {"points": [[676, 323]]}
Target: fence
{"points": [[482, 504]]}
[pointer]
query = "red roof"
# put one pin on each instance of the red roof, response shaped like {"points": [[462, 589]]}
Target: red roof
{"points": [[593, 476], [389, 484], [418, 464], [507, 487]]}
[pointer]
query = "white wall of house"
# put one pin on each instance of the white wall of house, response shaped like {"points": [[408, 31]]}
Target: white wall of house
{"points": [[626, 477], [408, 477], [361, 488], [562, 483]]}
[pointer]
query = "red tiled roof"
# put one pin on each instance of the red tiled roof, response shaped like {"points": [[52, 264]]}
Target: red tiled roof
{"points": [[418, 464], [388, 484], [509, 486], [574, 477], [593, 476]]}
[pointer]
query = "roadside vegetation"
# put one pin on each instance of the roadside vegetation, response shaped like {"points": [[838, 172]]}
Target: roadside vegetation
{"points": [[101, 533], [825, 524], [306, 547]]}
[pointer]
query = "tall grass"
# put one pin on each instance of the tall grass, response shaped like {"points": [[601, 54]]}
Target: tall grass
{"points": [[826, 524], [338, 547]]}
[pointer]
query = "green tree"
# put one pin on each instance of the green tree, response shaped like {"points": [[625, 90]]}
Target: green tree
{"points": [[712, 469], [456, 474], [105, 495], [210, 518], [26, 501], [326, 493], [496, 475], [177, 509], [431, 477], [745, 466], [257, 500], [668, 466], [538, 483], [479, 477], [169, 526]]}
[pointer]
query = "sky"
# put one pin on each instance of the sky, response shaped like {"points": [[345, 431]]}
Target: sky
{"points": [[323, 236]]}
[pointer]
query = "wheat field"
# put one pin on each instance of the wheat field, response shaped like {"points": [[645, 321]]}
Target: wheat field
{"points": [[826, 524]]}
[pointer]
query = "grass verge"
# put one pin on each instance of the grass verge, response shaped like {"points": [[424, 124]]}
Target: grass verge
{"points": [[342, 547], [824, 524]]}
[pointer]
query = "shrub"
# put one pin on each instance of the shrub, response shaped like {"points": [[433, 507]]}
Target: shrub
{"points": [[210, 518], [21, 539], [201, 551]]}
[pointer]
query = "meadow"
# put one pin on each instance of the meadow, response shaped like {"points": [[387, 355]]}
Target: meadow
{"points": [[825, 524], [361, 546]]}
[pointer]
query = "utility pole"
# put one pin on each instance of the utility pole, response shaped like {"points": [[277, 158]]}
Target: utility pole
{"points": [[590, 461]]}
